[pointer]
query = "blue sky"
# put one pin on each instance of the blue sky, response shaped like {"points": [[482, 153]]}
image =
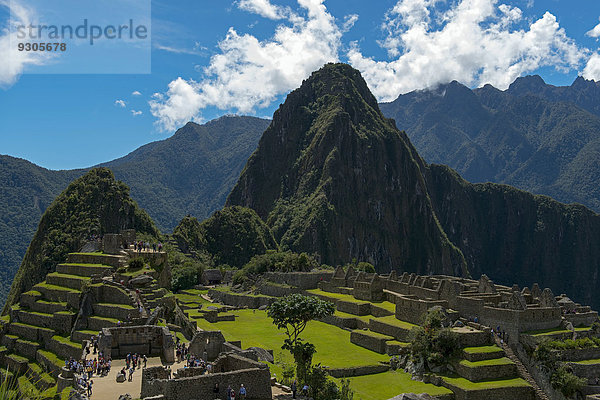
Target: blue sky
{"points": [[210, 58]]}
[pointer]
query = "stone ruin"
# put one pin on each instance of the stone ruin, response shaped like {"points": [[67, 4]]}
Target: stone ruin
{"points": [[511, 308], [230, 366], [150, 340]]}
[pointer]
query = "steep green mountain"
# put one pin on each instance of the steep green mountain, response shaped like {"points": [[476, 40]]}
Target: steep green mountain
{"points": [[230, 236], [26, 190], [331, 175], [534, 136], [95, 203], [189, 173], [514, 236]]}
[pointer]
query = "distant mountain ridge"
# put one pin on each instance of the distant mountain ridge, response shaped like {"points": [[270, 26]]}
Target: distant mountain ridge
{"points": [[189, 173], [535, 136]]}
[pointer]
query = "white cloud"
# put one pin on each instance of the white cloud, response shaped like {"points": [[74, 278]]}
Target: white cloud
{"points": [[474, 42], [594, 32], [248, 73], [14, 61], [135, 113], [120, 103], [263, 8], [592, 68], [349, 21], [180, 104], [136, 93]]}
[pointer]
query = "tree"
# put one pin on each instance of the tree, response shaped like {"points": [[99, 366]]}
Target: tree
{"points": [[432, 343], [292, 313]]}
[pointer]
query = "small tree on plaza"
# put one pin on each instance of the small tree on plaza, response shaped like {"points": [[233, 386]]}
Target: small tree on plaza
{"points": [[292, 314]]}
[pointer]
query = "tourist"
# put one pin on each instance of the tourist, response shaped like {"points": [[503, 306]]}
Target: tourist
{"points": [[229, 390], [294, 388], [242, 392], [305, 389], [89, 387], [145, 360], [216, 390], [131, 370]]}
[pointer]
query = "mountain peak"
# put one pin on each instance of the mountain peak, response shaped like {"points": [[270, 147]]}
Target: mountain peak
{"points": [[337, 79], [333, 176], [527, 84]]}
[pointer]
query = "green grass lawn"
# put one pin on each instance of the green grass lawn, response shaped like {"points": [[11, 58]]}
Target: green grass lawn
{"points": [[364, 318], [349, 298], [555, 331], [191, 298], [468, 385], [374, 334], [392, 320], [333, 344], [485, 363], [482, 349], [389, 384], [587, 362]]}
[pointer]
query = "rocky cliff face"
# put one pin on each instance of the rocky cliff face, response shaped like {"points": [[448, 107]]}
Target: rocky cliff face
{"points": [[514, 236], [331, 175]]}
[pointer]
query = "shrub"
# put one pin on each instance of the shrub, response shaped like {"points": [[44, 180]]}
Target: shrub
{"points": [[432, 342], [137, 263], [186, 275], [566, 382]]}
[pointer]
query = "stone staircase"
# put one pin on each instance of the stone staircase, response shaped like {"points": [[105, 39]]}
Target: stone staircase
{"points": [[38, 333], [523, 373]]}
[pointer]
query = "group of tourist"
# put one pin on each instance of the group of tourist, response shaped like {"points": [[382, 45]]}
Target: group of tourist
{"points": [[230, 392], [502, 335], [147, 246], [182, 352]]}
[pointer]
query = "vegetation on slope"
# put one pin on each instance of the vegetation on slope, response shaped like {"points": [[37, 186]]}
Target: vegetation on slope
{"points": [[534, 136], [94, 204], [231, 236], [26, 190], [189, 173]]}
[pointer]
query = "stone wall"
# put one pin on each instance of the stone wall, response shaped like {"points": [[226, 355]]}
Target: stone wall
{"points": [[240, 300], [578, 354], [302, 280], [486, 372], [144, 339], [93, 258], [278, 289], [358, 371], [412, 309], [586, 371], [520, 393], [257, 381], [401, 334], [210, 342], [372, 341]]}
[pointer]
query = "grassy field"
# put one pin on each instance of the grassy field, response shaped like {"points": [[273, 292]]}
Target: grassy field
{"points": [[333, 345], [389, 384], [334, 350]]}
